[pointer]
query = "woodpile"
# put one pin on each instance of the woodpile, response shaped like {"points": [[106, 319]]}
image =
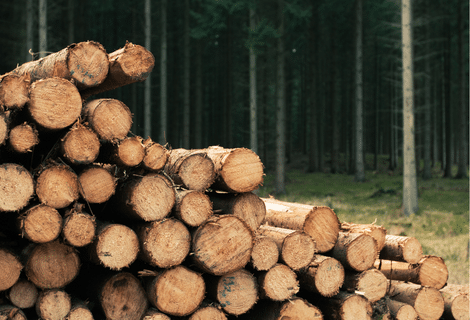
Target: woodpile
{"points": [[97, 223]]}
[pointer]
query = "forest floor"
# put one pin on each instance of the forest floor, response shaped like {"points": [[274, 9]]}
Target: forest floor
{"points": [[441, 224]]}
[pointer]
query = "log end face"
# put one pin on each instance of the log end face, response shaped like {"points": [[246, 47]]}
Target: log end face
{"points": [[280, 283], [197, 172], [16, 187], [299, 309], [429, 303], [195, 208], [14, 90], [130, 151], [137, 62], [155, 155], [361, 253], [23, 138], [117, 246], [322, 224], [356, 307], [412, 250], [97, 184], [57, 186], [373, 284], [237, 292], [23, 294], [11, 269], [79, 229], [88, 64], [460, 307], [81, 145], [42, 224], [298, 249], [433, 272], [329, 277], [265, 254]]}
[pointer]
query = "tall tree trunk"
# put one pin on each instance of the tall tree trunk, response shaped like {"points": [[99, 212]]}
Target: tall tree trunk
{"points": [[427, 112], [148, 85], [253, 104], [333, 105], [163, 74], [198, 97], [42, 28], [71, 22], [447, 103], [187, 83], [360, 174], [410, 187], [313, 155], [29, 29]]}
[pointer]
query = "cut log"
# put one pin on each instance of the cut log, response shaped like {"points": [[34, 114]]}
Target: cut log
{"points": [[154, 314], [155, 157], [84, 63], [54, 103], [222, 245], [57, 186], [265, 253], [324, 275], [80, 145], [400, 248], [430, 271], [237, 170], [79, 227], [427, 301], [346, 306], [53, 304], [355, 251], [208, 312], [321, 223], [23, 138], [17, 187], [401, 310], [97, 183], [456, 302], [371, 283], [122, 296], [51, 265], [128, 152], [296, 247], [130, 64], [278, 283], [192, 207], [164, 243], [14, 90], [177, 291], [23, 294], [11, 269], [298, 309], [111, 119], [192, 169], [4, 127], [377, 232], [246, 206], [9, 312], [41, 223], [79, 311]]}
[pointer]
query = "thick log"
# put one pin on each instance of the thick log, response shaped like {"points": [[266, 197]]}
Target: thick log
{"points": [[80, 145], [127, 65], [401, 311], [208, 312], [222, 245], [53, 304], [237, 170], [296, 247], [79, 311], [456, 302], [54, 103], [154, 314], [278, 283], [371, 283], [97, 183], [155, 156], [4, 126], [177, 291], [14, 90], [321, 223], [377, 232], [85, 64], [324, 275], [23, 294], [401, 248], [346, 306], [41, 223], [9, 312], [192, 207], [355, 251], [17, 185], [430, 271], [23, 138], [79, 227], [265, 253], [11, 269]]}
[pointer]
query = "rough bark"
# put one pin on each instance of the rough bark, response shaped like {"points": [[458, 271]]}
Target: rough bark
{"points": [[355, 251], [54, 304], [155, 156], [80, 145], [23, 138], [23, 294], [456, 302], [11, 267], [401, 248], [97, 183], [371, 283], [14, 90], [18, 185], [41, 223], [375, 231], [192, 207], [79, 227], [278, 283], [265, 253]]}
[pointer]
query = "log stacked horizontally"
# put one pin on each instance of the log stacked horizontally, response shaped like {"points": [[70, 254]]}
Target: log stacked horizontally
{"points": [[97, 223]]}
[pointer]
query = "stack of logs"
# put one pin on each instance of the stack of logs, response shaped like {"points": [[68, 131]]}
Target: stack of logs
{"points": [[97, 223]]}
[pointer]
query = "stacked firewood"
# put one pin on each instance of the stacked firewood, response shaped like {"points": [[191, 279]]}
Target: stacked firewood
{"points": [[97, 223]]}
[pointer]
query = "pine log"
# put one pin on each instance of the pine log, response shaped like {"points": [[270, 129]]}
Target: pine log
{"points": [[346, 306], [192, 169], [97, 183], [127, 65], [51, 265], [80, 145], [11, 268], [41, 223], [164, 243], [54, 103], [298, 309], [428, 302], [14, 90], [377, 232], [57, 186], [265, 253], [324, 275], [278, 283], [9, 312], [85, 64], [355, 251], [296, 247], [17, 187], [154, 314], [321, 223], [23, 294], [222, 245], [79, 227], [246, 206], [177, 291], [53, 304], [111, 119], [128, 152], [401, 310], [401, 248], [456, 302], [4, 126], [237, 170], [155, 156], [371, 283], [23, 138], [79, 311], [430, 271], [122, 296], [192, 207], [208, 312]]}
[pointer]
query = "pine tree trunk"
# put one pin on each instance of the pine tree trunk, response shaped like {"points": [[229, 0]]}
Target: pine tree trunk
{"points": [[148, 83], [359, 150], [163, 132], [253, 91], [20, 185], [186, 79]]}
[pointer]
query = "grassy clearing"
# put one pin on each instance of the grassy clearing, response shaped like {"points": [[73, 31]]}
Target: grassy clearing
{"points": [[441, 224]]}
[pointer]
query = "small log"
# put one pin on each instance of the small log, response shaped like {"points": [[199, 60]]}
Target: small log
{"points": [[265, 253], [111, 119], [192, 207], [355, 251], [298, 309], [237, 170], [23, 138], [80, 145], [377, 232], [11, 269], [278, 283], [79, 227], [53, 304], [9, 312], [400, 248], [401, 311], [154, 314], [127, 65], [428, 302], [324, 275], [155, 156], [371, 283], [23, 294], [321, 223], [222, 245], [4, 127], [79, 311], [14, 90], [177, 291], [97, 183], [208, 312], [246, 206], [192, 169], [41, 223], [17, 185], [456, 302], [164, 243], [128, 152], [51, 265], [430, 271], [54, 103], [346, 306], [296, 248]]}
